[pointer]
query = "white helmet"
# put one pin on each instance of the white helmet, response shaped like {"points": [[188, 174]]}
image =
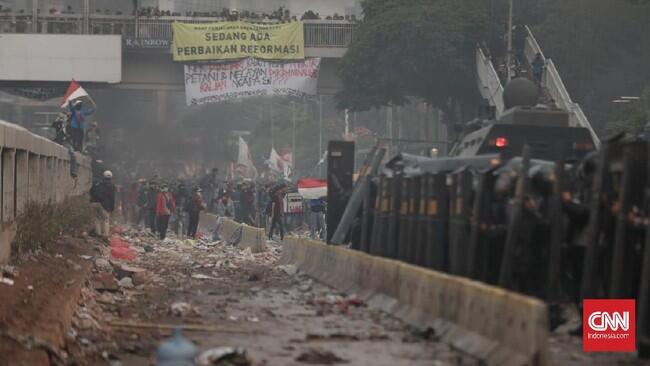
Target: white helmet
{"points": [[108, 174]]}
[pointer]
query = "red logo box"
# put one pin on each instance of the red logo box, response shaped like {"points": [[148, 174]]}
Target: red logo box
{"points": [[608, 325]]}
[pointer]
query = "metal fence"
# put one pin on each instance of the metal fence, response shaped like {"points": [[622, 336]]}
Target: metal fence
{"points": [[489, 83], [318, 33]]}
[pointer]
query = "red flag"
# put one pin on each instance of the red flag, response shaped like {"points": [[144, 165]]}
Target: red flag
{"points": [[74, 91]]}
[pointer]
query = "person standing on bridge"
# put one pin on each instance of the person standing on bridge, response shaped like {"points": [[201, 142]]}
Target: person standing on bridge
{"points": [[78, 116], [165, 207]]}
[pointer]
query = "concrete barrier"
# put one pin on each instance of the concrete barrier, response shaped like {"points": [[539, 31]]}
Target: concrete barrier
{"points": [[33, 169], [497, 326], [251, 237]]}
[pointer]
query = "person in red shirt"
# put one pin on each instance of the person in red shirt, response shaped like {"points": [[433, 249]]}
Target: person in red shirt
{"points": [[277, 212], [165, 206], [195, 206]]}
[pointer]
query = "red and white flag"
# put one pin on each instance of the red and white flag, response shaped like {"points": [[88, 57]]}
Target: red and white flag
{"points": [[74, 91], [280, 164], [312, 189]]}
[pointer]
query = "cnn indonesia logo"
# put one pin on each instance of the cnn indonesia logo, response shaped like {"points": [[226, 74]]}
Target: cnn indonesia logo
{"points": [[609, 325]]}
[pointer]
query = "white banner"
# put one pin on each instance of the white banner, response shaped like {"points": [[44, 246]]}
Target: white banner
{"points": [[211, 83]]}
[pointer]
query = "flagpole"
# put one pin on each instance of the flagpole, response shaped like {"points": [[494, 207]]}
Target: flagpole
{"points": [[293, 139]]}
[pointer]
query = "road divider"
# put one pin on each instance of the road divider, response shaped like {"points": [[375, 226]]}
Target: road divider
{"points": [[499, 327], [242, 235]]}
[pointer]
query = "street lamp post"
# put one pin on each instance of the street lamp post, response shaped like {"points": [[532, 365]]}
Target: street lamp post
{"points": [[509, 55]]}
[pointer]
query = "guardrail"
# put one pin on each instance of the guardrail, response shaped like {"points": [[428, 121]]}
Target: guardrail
{"points": [[34, 169], [318, 33], [488, 81], [557, 90]]}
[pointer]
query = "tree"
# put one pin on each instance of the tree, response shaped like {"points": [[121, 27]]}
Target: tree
{"points": [[598, 46], [416, 48]]}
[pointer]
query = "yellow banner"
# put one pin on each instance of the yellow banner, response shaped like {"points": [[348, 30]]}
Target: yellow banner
{"points": [[232, 40]]}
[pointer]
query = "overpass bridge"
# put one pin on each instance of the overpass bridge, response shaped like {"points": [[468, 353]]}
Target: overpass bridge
{"points": [[146, 58]]}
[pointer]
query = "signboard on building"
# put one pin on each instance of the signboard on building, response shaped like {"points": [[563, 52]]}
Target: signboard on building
{"points": [[234, 40], [138, 44], [211, 83]]}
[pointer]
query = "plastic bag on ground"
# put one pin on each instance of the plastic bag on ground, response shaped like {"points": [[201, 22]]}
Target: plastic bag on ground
{"points": [[121, 249]]}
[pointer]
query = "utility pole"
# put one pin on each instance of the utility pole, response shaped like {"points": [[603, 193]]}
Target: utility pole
{"points": [[389, 129], [320, 134], [509, 56], [347, 123], [271, 120], [34, 16], [293, 139]]}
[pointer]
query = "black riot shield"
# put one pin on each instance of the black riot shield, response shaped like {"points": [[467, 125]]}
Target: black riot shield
{"points": [[379, 226], [402, 219], [413, 220], [438, 232], [479, 251], [514, 221], [459, 223], [422, 220]]}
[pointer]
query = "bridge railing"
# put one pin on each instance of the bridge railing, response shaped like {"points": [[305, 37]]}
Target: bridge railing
{"points": [[556, 88], [488, 81], [318, 33]]}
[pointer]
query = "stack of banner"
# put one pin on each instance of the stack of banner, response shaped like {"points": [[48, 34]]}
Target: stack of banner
{"points": [[250, 74]]}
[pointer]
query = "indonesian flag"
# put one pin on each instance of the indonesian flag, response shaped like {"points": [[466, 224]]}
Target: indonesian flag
{"points": [[75, 91], [311, 189]]}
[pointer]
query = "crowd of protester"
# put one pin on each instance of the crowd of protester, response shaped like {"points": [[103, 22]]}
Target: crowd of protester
{"points": [[161, 205], [280, 14]]}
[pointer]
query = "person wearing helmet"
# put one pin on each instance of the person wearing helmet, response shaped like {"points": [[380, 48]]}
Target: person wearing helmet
{"points": [[194, 207], [78, 116], [102, 194], [165, 207]]}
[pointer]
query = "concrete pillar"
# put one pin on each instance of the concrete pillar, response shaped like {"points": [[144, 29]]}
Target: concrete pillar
{"points": [[161, 99], [50, 192], [60, 184], [42, 183], [33, 178], [8, 184], [22, 180]]}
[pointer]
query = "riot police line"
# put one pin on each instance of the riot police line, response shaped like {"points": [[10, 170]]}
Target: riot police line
{"points": [[561, 231]]}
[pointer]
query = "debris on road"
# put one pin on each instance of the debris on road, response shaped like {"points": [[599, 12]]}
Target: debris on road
{"points": [[289, 269], [319, 357], [126, 282], [224, 356], [176, 351]]}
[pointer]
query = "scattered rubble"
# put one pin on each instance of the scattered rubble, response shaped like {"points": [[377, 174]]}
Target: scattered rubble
{"points": [[319, 357], [126, 282], [224, 356]]}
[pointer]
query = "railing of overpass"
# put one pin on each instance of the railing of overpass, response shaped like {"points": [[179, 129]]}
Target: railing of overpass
{"points": [[318, 33]]}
